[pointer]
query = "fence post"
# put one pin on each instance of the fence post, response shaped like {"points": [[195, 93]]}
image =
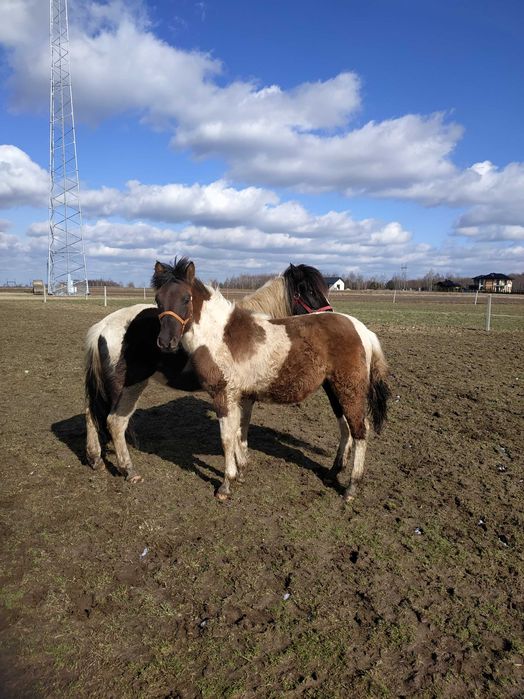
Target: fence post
{"points": [[144, 293], [488, 314], [105, 296], [394, 295], [476, 296], [45, 294]]}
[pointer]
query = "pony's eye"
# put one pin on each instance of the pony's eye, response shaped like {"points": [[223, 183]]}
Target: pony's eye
{"points": [[186, 299]]}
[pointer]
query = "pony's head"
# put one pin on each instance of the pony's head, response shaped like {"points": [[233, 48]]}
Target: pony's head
{"points": [[307, 290], [179, 298]]}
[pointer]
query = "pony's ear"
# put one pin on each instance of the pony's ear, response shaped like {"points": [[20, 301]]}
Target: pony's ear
{"points": [[190, 272], [292, 271], [159, 275]]}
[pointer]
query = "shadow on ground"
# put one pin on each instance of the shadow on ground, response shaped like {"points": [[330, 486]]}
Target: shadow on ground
{"points": [[185, 427]]}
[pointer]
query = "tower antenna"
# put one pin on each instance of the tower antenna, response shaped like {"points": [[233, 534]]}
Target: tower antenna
{"points": [[66, 266], [404, 270]]}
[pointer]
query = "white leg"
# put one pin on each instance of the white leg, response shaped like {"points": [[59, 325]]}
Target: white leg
{"points": [[241, 449], [229, 431], [117, 422], [357, 465]]}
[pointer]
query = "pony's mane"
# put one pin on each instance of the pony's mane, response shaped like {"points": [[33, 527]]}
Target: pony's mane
{"points": [[171, 273], [305, 273], [271, 299], [275, 297]]}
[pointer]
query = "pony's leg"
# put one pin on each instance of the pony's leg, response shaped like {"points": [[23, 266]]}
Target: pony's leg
{"points": [[117, 422], [93, 447], [241, 450], [352, 398], [345, 435], [344, 446], [357, 463], [229, 431]]}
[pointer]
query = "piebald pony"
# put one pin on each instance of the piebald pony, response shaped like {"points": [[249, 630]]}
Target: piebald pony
{"points": [[240, 356], [122, 356]]}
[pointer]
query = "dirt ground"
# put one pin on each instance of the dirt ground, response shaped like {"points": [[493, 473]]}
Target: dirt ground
{"points": [[159, 591]]}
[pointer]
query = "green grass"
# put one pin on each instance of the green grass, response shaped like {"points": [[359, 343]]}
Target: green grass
{"points": [[417, 314], [409, 310], [10, 599]]}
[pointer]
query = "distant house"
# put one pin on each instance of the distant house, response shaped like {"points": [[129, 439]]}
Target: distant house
{"points": [[334, 283], [448, 285], [493, 283]]}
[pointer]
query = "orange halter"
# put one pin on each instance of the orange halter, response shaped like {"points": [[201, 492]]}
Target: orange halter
{"points": [[175, 315]]}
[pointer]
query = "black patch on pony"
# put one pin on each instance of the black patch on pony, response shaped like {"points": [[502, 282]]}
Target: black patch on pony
{"points": [[100, 396], [378, 395]]}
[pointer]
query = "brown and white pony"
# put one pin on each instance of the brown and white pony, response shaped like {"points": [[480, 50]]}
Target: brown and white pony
{"points": [[240, 356], [122, 355]]}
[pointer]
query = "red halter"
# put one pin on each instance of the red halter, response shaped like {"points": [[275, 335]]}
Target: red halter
{"points": [[304, 305]]}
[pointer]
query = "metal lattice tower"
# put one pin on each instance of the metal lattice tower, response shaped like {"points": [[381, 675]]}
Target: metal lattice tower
{"points": [[404, 271], [66, 270]]}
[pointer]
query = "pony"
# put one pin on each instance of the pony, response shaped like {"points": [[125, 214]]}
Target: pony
{"points": [[122, 356], [240, 356]]}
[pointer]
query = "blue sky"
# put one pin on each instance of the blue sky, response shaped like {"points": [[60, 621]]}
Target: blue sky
{"points": [[357, 136]]}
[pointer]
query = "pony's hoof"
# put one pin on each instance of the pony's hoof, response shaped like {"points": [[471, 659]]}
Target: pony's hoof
{"points": [[221, 496], [135, 479], [97, 464], [348, 498], [241, 478]]}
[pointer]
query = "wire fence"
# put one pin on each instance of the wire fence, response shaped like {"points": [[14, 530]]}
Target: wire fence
{"points": [[402, 308]]}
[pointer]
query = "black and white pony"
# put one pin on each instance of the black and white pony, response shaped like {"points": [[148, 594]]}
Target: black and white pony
{"points": [[122, 355]]}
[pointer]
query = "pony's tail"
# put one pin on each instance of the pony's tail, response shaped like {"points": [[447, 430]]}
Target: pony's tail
{"points": [[99, 379], [379, 391]]}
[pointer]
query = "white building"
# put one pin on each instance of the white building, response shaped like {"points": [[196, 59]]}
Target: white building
{"points": [[334, 283]]}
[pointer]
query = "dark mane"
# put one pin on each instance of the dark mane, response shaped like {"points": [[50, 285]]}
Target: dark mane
{"points": [[170, 273], [295, 274]]}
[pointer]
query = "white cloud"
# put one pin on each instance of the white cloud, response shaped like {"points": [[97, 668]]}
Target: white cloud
{"points": [[9, 243], [238, 214], [272, 135], [298, 138], [487, 232], [302, 138], [250, 227], [216, 202], [22, 181]]}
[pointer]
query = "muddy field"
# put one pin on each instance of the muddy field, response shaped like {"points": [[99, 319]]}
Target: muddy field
{"points": [[157, 590]]}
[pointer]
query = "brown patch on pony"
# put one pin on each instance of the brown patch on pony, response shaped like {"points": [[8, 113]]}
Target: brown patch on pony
{"points": [[211, 378], [199, 295], [326, 346], [242, 334]]}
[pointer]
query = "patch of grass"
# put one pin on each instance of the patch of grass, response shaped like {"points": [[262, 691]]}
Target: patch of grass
{"points": [[374, 685], [11, 599], [215, 688], [431, 313], [62, 654], [517, 645]]}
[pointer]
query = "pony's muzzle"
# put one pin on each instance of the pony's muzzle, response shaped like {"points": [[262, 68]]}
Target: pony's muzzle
{"points": [[167, 342], [170, 346]]}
